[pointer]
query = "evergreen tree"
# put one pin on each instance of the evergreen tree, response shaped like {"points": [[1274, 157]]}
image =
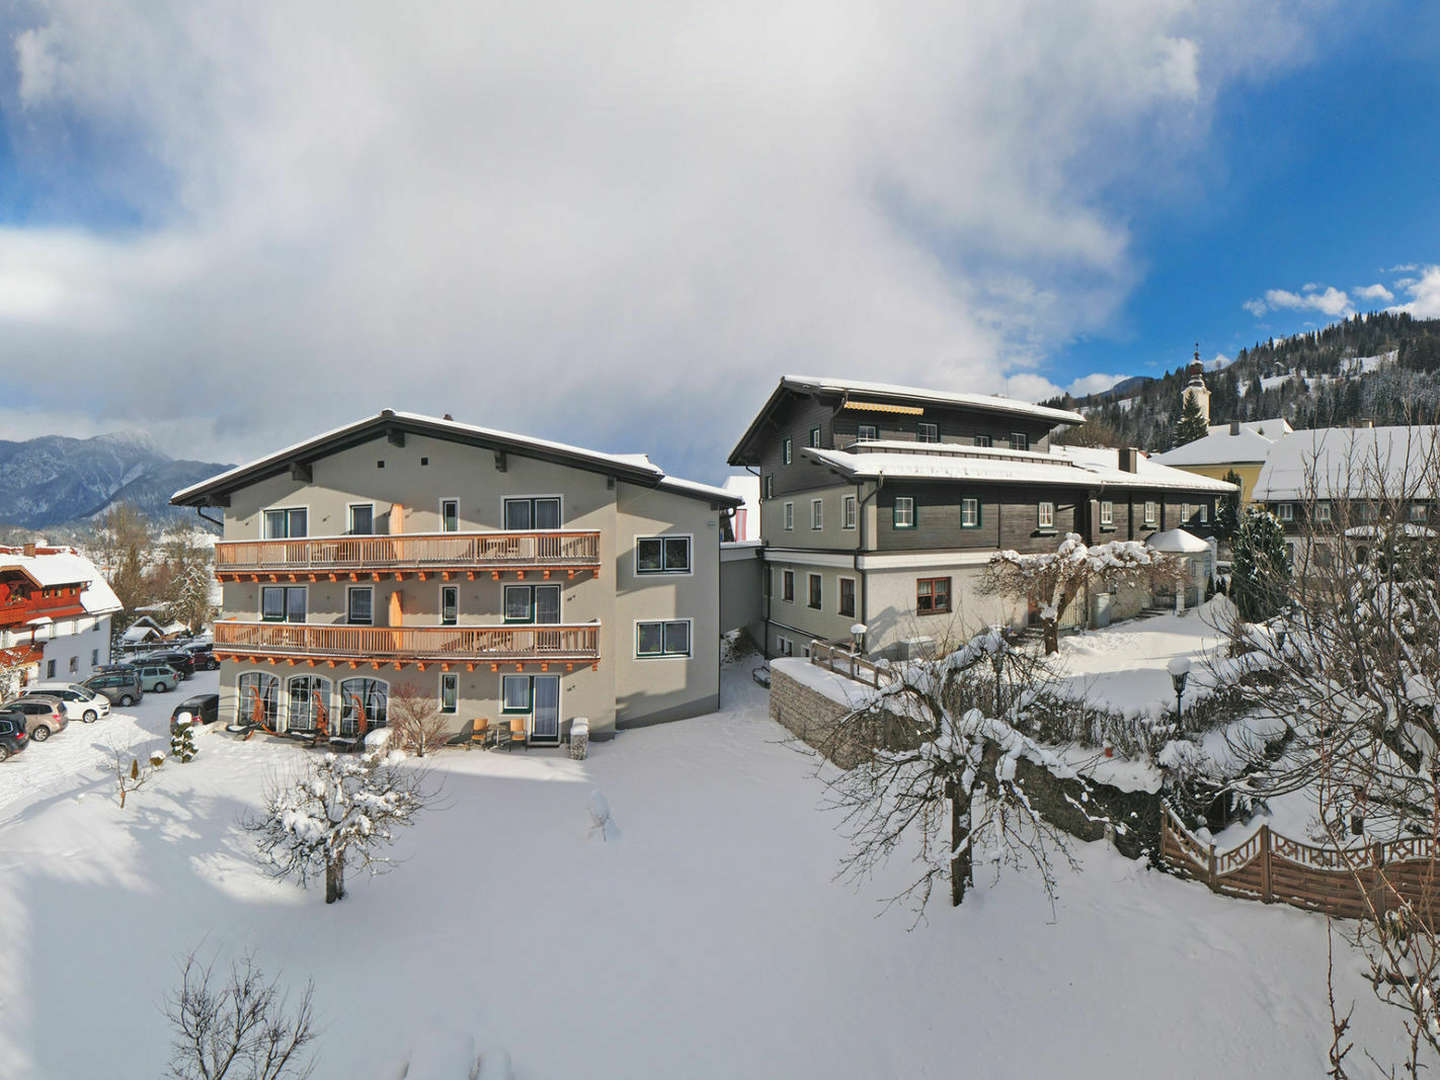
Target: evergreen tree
{"points": [[1260, 580], [1192, 424], [1227, 514], [182, 741]]}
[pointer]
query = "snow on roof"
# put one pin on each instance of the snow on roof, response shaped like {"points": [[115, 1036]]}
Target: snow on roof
{"points": [[1351, 463], [1068, 465], [139, 632], [940, 397], [1220, 449], [1177, 542], [694, 487], [1408, 529], [1271, 429], [66, 567]]}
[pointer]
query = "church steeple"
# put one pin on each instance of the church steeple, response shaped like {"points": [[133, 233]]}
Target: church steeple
{"points": [[1195, 385]]}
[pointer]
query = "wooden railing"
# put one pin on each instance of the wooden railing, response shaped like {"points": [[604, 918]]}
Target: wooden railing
{"points": [[464, 550], [844, 662], [411, 642], [1350, 883]]}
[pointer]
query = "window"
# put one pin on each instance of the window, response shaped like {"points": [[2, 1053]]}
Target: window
{"points": [[1286, 511], [362, 519], [903, 513], [1322, 511], [1203, 512], [787, 586], [94, 657], [787, 451], [784, 646], [286, 524], [769, 485], [969, 513], [74, 665], [259, 694], [982, 440], [1151, 512], [532, 604], [815, 437], [308, 702], [847, 597], [662, 638], [449, 693], [817, 514], [49, 669], [847, 513], [1419, 511], [282, 603], [814, 586], [927, 432], [789, 516], [1019, 440], [449, 605], [1107, 514], [662, 554], [449, 515], [360, 606], [932, 596], [515, 693], [538, 513], [363, 703], [1045, 516], [867, 433]]}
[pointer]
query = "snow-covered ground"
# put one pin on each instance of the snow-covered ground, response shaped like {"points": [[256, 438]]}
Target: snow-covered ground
{"points": [[706, 939]]}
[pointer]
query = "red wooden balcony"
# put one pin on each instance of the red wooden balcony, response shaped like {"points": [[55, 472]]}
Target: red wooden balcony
{"points": [[441, 554], [399, 646]]}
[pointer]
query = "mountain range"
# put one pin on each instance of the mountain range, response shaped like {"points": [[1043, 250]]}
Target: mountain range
{"points": [[58, 482]]}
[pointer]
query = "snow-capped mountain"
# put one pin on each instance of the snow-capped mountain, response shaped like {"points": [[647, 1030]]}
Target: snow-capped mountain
{"points": [[55, 480]]}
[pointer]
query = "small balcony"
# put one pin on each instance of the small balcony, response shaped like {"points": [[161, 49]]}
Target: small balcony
{"points": [[444, 555], [400, 646]]}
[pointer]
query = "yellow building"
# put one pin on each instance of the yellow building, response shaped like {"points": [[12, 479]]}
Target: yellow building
{"points": [[1238, 446]]}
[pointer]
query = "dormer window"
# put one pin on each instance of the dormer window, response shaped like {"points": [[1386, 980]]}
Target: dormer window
{"points": [[867, 433], [927, 433]]}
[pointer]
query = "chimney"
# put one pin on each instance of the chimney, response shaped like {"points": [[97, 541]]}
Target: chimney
{"points": [[1129, 459], [29, 550], [1234, 427]]}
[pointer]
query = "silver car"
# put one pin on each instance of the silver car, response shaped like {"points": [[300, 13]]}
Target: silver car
{"points": [[76, 701]]}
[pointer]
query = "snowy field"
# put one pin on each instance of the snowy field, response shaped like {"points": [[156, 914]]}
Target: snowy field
{"points": [[707, 939]]}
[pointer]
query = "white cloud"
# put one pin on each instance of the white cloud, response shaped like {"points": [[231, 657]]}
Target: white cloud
{"points": [[1255, 307], [1424, 291], [1094, 384], [1312, 297], [1027, 386], [1374, 292], [1220, 361], [616, 226]]}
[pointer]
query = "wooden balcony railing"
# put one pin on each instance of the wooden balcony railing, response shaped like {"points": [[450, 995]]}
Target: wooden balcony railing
{"points": [[436, 551], [440, 643]]}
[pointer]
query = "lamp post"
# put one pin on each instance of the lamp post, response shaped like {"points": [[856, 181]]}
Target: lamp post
{"points": [[1179, 669], [857, 638]]}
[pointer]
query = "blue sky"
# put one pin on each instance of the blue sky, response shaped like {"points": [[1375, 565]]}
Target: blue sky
{"points": [[237, 225], [1325, 175]]}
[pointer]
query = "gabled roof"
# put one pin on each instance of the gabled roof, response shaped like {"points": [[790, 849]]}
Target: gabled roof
{"points": [[889, 392], [65, 566], [1352, 463], [635, 468], [1220, 449]]}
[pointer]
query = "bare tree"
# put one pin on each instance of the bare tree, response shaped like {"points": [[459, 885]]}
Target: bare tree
{"points": [[1050, 581], [130, 771], [337, 810], [416, 722], [241, 1029], [188, 571], [933, 757]]}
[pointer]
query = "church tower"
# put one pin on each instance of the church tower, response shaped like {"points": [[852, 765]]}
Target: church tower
{"points": [[1195, 386]]}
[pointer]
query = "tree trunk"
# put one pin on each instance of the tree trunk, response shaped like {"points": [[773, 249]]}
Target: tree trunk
{"points": [[1052, 635], [335, 879], [960, 861]]}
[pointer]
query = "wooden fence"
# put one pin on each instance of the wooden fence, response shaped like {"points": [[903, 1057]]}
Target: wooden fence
{"points": [[1348, 883], [844, 662]]}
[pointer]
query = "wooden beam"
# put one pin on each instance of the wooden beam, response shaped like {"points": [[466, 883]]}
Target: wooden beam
{"points": [[571, 575], [547, 575], [469, 575], [354, 576], [495, 575], [494, 667], [299, 470], [291, 577], [399, 575], [399, 665], [420, 574], [274, 578], [470, 665], [445, 575], [330, 663], [519, 575], [545, 667], [420, 665], [500, 463], [396, 437], [374, 575], [333, 577], [445, 666]]}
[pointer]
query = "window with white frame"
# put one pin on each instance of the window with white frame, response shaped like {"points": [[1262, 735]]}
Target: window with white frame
{"points": [[1045, 516], [787, 585], [360, 605], [1202, 513], [449, 515], [787, 451], [769, 485], [1152, 512], [449, 605], [538, 512], [1107, 512], [449, 692], [903, 512], [982, 440], [1322, 511], [1419, 512], [784, 646], [817, 514], [362, 519], [662, 554], [789, 516], [286, 524], [867, 433], [662, 637], [847, 597], [1286, 511], [847, 515], [532, 604], [815, 437], [927, 433], [283, 603], [814, 590], [1019, 440], [969, 513]]}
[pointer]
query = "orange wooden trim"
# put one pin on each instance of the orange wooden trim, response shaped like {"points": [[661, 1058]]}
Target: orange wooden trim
{"points": [[292, 577], [399, 665], [399, 575], [547, 575], [519, 667], [520, 575], [274, 578], [330, 663], [494, 667], [469, 665], [445, 666], [375, 575], [571, 575], [419, 665], [445, 575], [333, 577], [595, 667], [354, 576], [355, 664], [469, 575], [420, 574], [545, 667]]}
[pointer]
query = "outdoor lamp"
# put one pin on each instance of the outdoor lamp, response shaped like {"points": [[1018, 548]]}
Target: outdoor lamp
{"points": [[857, 637], [1179, 669]]}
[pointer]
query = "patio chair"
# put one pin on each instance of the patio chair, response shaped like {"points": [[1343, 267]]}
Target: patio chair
{"points": [[482, 733], [464, 737], [503, 737]]}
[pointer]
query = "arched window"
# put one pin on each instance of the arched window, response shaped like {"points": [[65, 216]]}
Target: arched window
{"points": [[370, 696], [309, 702], [259, 694]]}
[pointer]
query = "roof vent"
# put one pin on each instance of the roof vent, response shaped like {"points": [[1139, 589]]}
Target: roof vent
{"points": [[449, 417], [1234, 427]]}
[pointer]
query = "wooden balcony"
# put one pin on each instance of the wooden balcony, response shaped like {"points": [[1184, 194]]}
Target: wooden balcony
{"points": [[564, 647], [443, 555]]}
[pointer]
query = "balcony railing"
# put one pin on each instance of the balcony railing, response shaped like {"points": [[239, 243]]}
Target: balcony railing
{"points": [[439, 643], [442, 551]]}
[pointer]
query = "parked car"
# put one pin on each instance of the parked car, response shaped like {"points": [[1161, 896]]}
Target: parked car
{"points": [[12, 737], [201, 709], [203, 653], [38, 717], [178, 659], [158, 678], [120, 685], [78, 702]]}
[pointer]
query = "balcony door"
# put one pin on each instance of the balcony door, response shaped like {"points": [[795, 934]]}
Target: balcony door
{"points": [[545, 720]]}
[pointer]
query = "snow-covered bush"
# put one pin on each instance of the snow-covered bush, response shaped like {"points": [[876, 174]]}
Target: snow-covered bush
{"points": [[337, 810], [182, 740]]}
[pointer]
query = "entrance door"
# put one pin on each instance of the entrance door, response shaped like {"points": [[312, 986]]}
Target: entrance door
{"points": [[545, 722]]}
